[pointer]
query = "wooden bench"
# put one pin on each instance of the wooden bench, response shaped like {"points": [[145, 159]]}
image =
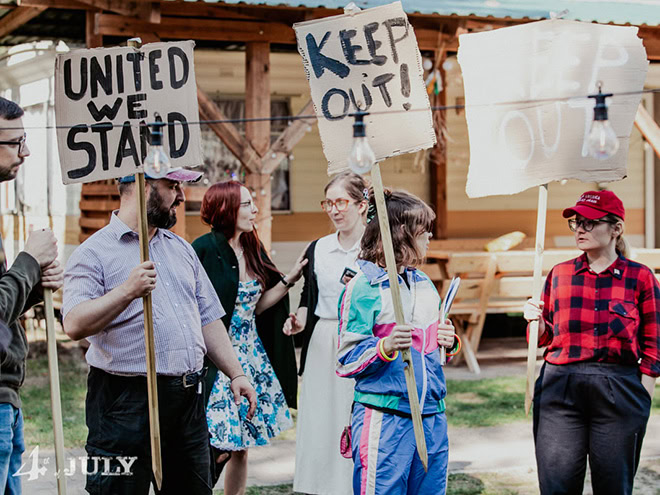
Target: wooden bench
{"points": [[493, 283]]}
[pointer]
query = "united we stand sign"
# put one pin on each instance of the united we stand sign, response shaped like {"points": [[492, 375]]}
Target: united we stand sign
{"points": [[105, 96]]}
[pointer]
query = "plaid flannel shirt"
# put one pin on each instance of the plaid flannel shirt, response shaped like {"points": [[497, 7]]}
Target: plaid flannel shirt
{"points": [[610, 317]]}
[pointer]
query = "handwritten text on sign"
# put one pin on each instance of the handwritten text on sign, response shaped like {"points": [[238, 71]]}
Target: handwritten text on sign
{"points": [[549, 66], [367, 61], [103, 98]]}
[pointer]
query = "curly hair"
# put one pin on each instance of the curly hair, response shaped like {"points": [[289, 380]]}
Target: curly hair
{"points": [[409, 216]]}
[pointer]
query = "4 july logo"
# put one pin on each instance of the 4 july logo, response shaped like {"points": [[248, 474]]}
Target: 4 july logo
{"points": [[102, 465]]}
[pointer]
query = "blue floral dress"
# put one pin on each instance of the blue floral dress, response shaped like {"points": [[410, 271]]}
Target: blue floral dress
{"points": [[227, 422]]}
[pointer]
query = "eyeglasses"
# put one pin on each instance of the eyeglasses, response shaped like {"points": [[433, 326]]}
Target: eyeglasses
{"points": [[587, 225], [340, 204], [20, 143]]}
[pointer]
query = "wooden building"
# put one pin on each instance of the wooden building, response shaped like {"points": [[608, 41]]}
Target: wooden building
{"points": [[247, 65]]}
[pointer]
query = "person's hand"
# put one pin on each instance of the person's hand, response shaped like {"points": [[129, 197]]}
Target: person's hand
{"points": [[296, 272], [241, 387], [42, 246], [533, 310], [446, 333], [141, 281], [400, 338], [292, 325], [52, 276]]}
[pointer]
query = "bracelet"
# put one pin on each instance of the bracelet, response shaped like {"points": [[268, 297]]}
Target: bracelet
{"points": [[458, 346], [287, 284], [237, 376], [383, 355]]}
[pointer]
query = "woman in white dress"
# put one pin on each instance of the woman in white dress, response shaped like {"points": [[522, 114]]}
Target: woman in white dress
{"points": [[325, 399]]}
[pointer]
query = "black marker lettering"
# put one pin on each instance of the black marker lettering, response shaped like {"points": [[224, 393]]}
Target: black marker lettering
{"points": [[119, 68], [320, 62], [105, 112], [154, 69], [98, 77], [173, 117], [102, 131], [68, 90], [350, 50], [173, 52], [136, 58], [133, 104], [126, 146], [367, 99], [390, 24], [79, 173], [373, 45], [380, 83], [325, 104]]}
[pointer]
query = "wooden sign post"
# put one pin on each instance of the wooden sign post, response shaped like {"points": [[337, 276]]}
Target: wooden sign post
{"points": [[392, 274], [55, 399]]}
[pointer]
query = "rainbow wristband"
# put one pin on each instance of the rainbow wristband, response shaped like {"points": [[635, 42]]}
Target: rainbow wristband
{"points": [[457, 348], [383, 355]]}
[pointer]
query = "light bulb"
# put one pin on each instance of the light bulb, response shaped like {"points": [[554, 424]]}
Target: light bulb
{"points": [[602, 142], [156, 164], [362, 157]]}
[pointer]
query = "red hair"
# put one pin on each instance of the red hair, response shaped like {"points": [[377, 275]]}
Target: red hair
{"points": [[220, 210]]}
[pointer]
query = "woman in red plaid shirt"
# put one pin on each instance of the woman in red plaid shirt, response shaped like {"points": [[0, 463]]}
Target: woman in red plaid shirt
{"points": [[600, 323]]}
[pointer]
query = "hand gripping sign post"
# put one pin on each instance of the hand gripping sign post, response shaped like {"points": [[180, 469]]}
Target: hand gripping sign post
{"points": [[103, 100], [369, 61], [548, 68]]}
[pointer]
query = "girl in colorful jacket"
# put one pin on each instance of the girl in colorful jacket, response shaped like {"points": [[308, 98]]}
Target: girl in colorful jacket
{"points": [[383, 442]]}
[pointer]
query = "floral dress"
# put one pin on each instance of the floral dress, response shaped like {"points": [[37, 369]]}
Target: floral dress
{"points": [[227, 422]]}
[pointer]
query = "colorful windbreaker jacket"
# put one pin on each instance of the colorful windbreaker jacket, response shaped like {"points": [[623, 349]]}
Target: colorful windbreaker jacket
{"points": [[366, 315]]}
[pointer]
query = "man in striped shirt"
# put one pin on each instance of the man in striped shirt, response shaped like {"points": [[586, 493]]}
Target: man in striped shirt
{"points": [[104, 284]]}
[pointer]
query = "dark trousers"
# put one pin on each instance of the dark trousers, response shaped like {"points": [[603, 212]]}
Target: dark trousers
{"points": [[118, 423], [597, 411]]}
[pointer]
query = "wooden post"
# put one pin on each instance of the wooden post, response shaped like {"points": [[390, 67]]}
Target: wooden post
{"points": [[150, 354], [438, 156], [392, 274], [257, 104], [55, 400], [537, 289], [94, 40]]}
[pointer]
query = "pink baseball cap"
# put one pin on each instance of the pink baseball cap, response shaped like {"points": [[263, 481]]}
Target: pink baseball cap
{"points": [[596, 204], [178, 174]]}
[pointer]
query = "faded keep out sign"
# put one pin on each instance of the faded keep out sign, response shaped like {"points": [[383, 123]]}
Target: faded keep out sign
{"points": [[367, 61], [517, 146], [102, 96]]}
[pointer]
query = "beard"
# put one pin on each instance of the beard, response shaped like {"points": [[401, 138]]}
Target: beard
{"points": [[11, 171], [159, 214]]}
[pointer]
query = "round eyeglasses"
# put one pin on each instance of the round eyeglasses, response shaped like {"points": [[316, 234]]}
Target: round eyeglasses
{"points": [[586, 224], [341, 204]]}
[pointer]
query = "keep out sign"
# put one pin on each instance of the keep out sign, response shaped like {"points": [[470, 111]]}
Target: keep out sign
{"points": [[104, 98], [367, 61]]}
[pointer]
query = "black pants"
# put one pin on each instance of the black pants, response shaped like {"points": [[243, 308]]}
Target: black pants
{"points": [[593, 410], [118, 423]]}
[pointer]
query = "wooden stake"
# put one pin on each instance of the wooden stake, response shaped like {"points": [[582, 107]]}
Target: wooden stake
{"points": [[537, 288], [152, 384], [150, 353], [55, 400], [390, 263]]}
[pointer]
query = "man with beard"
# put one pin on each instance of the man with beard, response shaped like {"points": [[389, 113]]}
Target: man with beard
{"points": [[102, 302], [21, 287]]}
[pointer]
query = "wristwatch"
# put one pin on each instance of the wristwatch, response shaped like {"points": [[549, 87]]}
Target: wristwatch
{"points": [[286, 283]]}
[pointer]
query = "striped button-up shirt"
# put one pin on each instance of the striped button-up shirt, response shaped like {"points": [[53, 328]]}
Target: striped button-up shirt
{"points": [[183, 301]]}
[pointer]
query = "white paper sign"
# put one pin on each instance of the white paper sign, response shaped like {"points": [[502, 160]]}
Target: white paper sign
{"points": [[366, 61], [103, 95], [517, 146]]}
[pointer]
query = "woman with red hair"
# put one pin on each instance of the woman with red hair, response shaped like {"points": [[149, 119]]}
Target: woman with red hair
{"points": [[253, 293]]}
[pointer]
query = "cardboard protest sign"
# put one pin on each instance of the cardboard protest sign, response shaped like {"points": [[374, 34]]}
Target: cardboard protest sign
{"points": [[548, 67], [366, 61], [103, 95]]}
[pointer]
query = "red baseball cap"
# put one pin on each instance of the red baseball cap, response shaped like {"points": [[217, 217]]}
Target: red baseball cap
{"points": [[596, 204]]}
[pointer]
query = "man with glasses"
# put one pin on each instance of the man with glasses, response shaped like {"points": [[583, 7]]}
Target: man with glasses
{"points": [[21, 287]]}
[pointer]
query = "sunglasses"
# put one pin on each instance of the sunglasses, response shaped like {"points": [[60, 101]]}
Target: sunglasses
{"points": [[340, 204], [586, 224], [20, 143]]}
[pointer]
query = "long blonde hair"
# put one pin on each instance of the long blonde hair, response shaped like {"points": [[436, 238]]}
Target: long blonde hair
{"points": [[622, 245]]}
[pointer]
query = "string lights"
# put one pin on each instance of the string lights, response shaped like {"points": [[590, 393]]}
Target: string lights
{"points": [[156, 163], [602, 142], [362, 157]]}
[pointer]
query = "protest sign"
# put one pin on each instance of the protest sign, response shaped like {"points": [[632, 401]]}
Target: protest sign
{"points": [[366, 61], [103, 95], [548, 67]]}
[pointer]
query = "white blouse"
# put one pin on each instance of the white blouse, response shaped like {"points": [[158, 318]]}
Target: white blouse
{"points": [[330, 262]]}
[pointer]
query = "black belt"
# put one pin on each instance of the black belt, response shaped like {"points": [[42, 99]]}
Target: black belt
{"points": [[187, 380]]}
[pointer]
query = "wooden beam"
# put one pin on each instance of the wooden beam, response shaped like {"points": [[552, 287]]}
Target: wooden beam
{"points": [[438, 155], [201, 29], [92, 37], [649, 128], [257, 104], [285, 143], [147, 11], [17, 17], [257, 95], [228, 133]]}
